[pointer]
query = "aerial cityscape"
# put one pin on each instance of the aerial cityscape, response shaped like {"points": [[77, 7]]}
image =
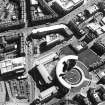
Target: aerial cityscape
{"points": [[52, 52]]}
